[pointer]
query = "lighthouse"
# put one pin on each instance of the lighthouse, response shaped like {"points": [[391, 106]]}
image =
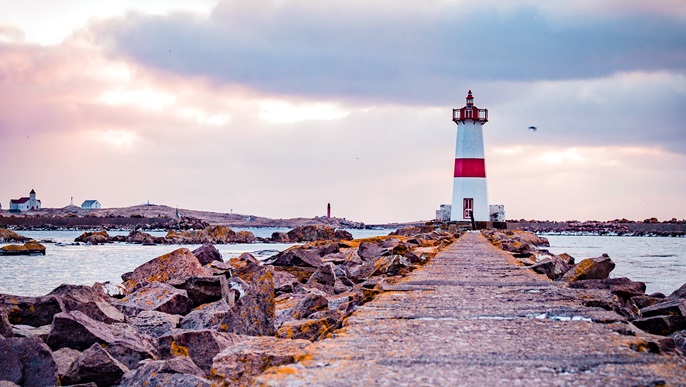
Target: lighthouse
{"points": [[470, 195]]}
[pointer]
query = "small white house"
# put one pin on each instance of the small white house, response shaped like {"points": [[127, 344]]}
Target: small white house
{"points": [[25, 203], [91, 205]]}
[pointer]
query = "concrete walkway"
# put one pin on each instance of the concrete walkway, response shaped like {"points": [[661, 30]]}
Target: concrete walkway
{"points": [[473, 317]]}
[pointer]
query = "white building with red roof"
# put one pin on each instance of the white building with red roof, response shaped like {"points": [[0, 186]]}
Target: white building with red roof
{"points": [[25, 203]]}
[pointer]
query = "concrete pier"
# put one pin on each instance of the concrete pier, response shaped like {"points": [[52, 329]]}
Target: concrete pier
{"points": [[472, 316]]}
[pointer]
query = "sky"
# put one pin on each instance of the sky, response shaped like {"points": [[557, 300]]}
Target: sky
{"points": [[276, 108]]}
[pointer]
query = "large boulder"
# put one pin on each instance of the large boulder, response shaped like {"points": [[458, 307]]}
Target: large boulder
{"points": [[179, 264], [253, 314], [239, 364], [668, 307], [552, 267], [284, 282], [297, 256], [78, 331], [34, 311], [207, 254], [154, 323], [307, 305], [590, 268], [316, 233], [175, 372], [156, 296], [679, 338], [27, 362], [28, 248], [205, 316], [244, 265], [93, 302], [661, 325], [94, 365], [200, 345], [622, 286], [95, 237]]}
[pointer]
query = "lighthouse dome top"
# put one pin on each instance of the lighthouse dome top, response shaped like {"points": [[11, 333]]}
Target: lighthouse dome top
{"points": [[470, 112]]}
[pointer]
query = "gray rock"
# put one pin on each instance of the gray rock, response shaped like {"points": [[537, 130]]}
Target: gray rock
{"points": [[95, 365], [298, 256], [5, 326], [28, 331], [152, 373], [93, 302], [679, 293], [34, 311], [675, 306], [202, 290], [661, 325], [201, 345], [64, 357], [154, 323], [176, 265], [156, 296], [28, 362], [205, 316], [324, 275]]}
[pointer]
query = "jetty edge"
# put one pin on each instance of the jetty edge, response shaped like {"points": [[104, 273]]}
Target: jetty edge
{"points": [[475, 316], [189, 318]]}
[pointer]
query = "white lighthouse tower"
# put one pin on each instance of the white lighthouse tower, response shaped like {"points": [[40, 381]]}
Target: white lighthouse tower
{"points": [[470, 195]]}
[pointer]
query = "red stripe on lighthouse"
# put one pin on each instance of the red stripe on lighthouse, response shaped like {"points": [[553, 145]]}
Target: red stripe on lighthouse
{"points": [[470, 168]]}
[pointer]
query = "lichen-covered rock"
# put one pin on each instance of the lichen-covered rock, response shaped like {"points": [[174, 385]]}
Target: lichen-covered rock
{"points": [[279, 237], [205, 316], [156, 296], [244, 265], [590, 268], [309, 329], [95, 237], [28, 248], [175, 372], [34, 311], [200, 345], [392, 265], [178, 264], [154, 323], [94, 365], [253, 314], [307, 305], [207, 254], [27, 362], [209, 235], [316, 233], [238, 364]]}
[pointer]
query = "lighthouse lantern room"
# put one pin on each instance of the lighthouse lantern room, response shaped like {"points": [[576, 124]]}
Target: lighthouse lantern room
{"points": [[470, 196]]}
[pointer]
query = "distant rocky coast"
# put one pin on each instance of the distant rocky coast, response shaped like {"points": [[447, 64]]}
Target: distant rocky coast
{"points": [[191, 318]]}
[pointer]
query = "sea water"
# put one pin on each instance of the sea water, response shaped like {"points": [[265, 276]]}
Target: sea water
{"points": [[37, 275], [660, 262]]}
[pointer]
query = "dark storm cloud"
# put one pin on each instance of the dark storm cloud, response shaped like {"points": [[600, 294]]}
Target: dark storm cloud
{"points": [[379, 53]]}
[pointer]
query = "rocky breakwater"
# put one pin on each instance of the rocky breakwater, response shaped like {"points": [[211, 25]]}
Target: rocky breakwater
{"points": [[190, 318], [656, 314]]}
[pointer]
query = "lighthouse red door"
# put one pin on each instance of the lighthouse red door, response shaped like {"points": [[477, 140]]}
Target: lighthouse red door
{"points": [[467, 207]]}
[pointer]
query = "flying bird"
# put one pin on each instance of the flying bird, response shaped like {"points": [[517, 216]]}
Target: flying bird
{"points": [[532, 128]]}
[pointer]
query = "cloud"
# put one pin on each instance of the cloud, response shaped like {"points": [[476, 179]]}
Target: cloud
{"points": [[410, 52]]}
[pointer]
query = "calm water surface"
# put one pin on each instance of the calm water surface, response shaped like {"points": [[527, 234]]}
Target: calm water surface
{"points": [[660, 262], [84, 265]]}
